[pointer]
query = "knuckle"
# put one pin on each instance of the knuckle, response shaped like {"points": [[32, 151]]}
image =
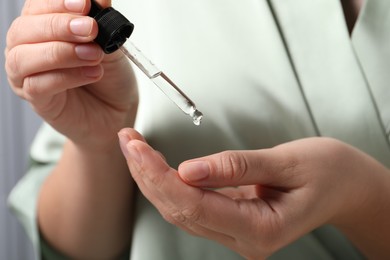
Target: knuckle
{"points": [[36, 86], [291, 165], [53, 53], [234, 166], [53, 24], [173, 218], [186, 216], [157, 180], [12, 33], [30, 88], [192, 214], [12, 62], [291, 169]]}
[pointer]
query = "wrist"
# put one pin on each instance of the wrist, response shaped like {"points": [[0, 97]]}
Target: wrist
{"points": [[106, 155], [104, 139], [365, 192], [87, 183], [363, 217], [94, 147]]}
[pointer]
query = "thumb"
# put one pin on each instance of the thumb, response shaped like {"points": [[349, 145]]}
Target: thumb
{"points": [[233, 168]]}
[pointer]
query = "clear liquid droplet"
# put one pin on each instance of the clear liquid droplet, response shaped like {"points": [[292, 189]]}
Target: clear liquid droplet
{"points": [[196, 116]]}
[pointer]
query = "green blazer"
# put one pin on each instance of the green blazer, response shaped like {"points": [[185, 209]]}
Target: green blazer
{"points": [[262, 73]]}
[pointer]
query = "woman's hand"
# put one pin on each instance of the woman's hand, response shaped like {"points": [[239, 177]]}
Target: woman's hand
{"points": [[266, 199], [53, 64], [88, 96]]}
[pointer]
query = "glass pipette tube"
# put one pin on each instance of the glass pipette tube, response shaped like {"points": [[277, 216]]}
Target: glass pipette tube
{"points": [[162, 81]]}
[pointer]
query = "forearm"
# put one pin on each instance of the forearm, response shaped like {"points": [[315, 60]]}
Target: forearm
{"points": [[85, 205]]}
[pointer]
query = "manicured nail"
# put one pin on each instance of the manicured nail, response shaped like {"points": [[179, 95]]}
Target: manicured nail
{"points": [[123, 140], [88, 52], [76, 6], [81, 26], [133, 153], [194, 171]]}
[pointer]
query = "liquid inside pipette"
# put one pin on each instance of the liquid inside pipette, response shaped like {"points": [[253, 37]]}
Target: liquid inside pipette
{"points": [[162, 82]]}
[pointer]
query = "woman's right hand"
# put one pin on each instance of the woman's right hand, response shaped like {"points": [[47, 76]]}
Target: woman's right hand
{"points": [[52, 63], [88, 96]]}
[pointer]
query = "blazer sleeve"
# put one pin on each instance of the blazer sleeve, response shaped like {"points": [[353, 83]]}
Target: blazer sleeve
{"points": [[22, 201]]}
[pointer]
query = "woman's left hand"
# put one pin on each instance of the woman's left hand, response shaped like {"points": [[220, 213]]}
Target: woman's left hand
{"points": [[263, 200]]}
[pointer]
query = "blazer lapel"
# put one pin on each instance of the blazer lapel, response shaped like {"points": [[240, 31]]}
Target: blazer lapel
{"points": [[371, 41], [331, 78]]}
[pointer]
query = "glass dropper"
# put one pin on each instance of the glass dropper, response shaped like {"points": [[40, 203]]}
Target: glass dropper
{"points": [[114, 30], [162, 81]]}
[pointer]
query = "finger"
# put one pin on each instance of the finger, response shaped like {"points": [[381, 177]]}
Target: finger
{"points": [[39, 89], [127, 134], [235, 168], [51, 27], [239, 193], [184, 205], [34, 7], [27, 60], [62, 6]]}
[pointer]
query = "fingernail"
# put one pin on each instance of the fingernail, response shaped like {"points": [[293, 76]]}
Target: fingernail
{"points": [[88, 52], [92, 72], [133, 153], [76, 6], [194, 171], [81, 26], [123, 140]]}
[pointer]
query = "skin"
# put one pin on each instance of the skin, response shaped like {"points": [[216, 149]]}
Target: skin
{"points": [[87, 96], [85, 205], [280, 194]]}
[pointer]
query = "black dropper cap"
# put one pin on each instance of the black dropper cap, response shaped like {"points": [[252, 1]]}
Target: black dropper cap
{"points": [[114, 28]]}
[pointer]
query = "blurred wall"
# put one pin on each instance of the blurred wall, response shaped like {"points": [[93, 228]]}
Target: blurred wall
{"points": [[18, 125]]}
